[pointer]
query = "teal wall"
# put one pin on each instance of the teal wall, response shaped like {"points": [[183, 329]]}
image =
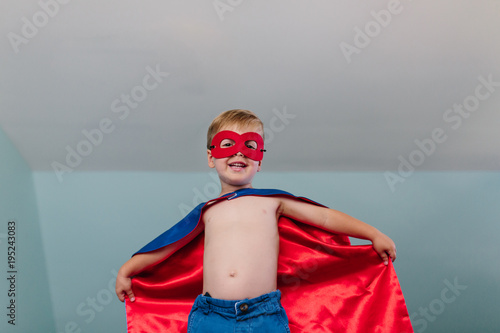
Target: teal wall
{"points": [[28, 287], [72, 236], [445, 225]]}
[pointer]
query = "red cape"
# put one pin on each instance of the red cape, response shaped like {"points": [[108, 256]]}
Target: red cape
{"points": [[327, 285]]}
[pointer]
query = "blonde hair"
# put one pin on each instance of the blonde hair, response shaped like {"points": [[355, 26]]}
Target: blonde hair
{"points": [[238, 117]]}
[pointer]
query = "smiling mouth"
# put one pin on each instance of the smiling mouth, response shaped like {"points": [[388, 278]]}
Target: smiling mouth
{"points": [[238, 165]]}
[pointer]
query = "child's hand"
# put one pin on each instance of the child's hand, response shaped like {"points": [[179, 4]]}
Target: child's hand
{"points": [[124, 288], [385, 247]]}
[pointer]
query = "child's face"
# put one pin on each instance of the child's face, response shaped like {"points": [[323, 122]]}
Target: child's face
{"points": [[237, 170]]}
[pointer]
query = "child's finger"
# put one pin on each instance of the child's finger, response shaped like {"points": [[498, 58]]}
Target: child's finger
{"points": [[385, 258], [393, 255], [131, 296], [121, 296]]}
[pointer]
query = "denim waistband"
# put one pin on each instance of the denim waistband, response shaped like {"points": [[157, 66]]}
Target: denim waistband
{"points": [[246, 308]]}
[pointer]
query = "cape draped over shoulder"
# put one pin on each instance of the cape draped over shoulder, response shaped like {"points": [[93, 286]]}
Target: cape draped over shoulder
{"points": [[327, 285]]}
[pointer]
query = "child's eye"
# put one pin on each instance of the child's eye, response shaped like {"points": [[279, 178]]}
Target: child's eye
{"points": [[251, 144], [226, 143]]}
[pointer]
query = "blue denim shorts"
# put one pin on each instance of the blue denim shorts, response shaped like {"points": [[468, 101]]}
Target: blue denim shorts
{"points": [[259, 314]]}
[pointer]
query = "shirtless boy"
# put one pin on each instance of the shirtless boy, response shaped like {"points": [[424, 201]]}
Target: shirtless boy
{"points": [[241, 236]]}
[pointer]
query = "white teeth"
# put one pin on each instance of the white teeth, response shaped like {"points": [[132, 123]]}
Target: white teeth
{"points": [[241, 165]]}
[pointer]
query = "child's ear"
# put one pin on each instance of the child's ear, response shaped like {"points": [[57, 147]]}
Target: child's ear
{"points": [[260, 164], [210, 159]]}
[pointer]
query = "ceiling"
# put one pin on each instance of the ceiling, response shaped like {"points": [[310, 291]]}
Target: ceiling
{"points": [[340, 85]]}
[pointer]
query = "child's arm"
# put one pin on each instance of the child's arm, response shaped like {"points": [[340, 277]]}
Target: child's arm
{"points": [[134, 266], [140, 262], [340, 223]]}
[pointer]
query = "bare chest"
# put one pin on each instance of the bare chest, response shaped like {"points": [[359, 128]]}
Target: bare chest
{"points": [[243, 212]]}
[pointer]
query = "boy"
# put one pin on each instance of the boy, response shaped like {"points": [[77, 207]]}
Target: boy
{"points": [[241, 241]]}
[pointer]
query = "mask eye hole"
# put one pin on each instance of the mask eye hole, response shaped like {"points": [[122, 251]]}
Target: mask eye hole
{"points": [[226, 143], [251, 144]]}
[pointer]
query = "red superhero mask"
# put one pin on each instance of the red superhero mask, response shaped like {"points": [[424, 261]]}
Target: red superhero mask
{"points": [[249, 144]]}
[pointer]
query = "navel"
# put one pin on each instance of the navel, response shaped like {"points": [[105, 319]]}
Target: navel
{"points": [[232, 273]]}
